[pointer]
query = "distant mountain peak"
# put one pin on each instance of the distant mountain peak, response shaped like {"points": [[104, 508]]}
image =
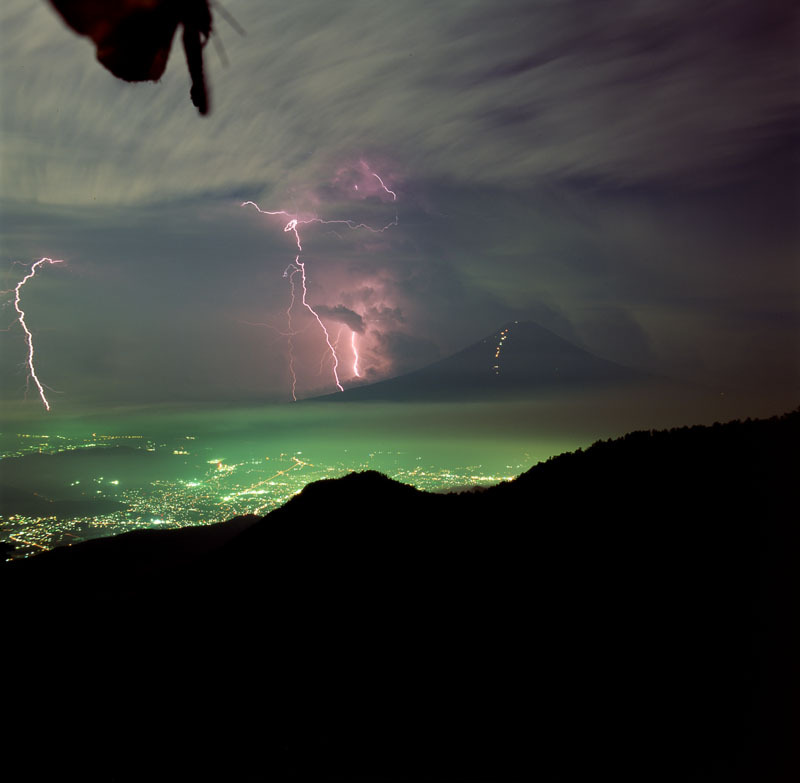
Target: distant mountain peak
{"points": [[520, 358]]}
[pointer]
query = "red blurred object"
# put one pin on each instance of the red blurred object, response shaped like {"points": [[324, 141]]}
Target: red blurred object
{"points": [[134, 37]]}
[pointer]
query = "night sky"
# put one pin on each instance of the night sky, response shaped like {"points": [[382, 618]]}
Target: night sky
{"points": [[623, 173]]}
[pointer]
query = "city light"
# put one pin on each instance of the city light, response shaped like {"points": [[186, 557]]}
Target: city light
{"points": [[209, 491]]}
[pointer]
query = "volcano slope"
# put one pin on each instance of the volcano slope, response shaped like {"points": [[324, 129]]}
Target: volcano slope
{"points": [[625, 611], [519, 360]]}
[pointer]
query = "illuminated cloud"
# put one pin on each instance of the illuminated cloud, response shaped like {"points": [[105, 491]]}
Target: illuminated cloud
{"points": [[342, 315], [622, 173]]}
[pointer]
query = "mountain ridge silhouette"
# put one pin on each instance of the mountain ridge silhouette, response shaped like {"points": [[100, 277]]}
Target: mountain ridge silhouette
{"points": [[618, 610]]}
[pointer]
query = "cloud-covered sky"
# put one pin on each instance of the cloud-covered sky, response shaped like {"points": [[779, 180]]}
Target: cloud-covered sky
{"points": [[624, 172]]}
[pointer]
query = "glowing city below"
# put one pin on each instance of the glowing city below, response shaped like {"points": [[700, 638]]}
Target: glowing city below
{"points": [[106, 485]]}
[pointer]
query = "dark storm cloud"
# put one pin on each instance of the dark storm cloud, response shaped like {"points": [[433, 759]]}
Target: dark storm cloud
{"points": [[624, 173], [342, 315], [405, 351], [150, 305], [624, 91], [384, 316], [614, 333]]}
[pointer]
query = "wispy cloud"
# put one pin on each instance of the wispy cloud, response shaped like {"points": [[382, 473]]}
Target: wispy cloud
{"points": [[471, 92]]}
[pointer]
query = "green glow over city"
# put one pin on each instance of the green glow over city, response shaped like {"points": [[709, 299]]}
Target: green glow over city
{"points": [[88, 477], [147, 472]]}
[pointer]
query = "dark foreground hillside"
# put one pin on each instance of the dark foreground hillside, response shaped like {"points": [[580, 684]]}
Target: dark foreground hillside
{"points": [[626, 612]]}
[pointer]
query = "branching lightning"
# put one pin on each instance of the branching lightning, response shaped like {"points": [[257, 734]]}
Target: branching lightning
{"points": [[28, 335], [302, 268], [390, 192], [294, 221]]}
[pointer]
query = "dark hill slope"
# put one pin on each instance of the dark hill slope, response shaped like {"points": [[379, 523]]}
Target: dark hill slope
{"points": [[623, 612]]}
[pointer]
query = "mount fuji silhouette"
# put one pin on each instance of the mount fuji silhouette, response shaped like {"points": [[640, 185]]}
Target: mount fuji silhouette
{"points": [[518, 359]]}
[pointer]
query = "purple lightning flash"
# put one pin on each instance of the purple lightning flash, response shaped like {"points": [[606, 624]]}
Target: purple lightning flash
{"points": [[299, 266]]}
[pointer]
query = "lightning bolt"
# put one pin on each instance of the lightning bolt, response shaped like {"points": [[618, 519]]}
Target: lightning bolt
{"points": [[390, 192], [298, 266], [355, 355], [294, 222], [28, 335], [292, 373], [302, 268]]}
